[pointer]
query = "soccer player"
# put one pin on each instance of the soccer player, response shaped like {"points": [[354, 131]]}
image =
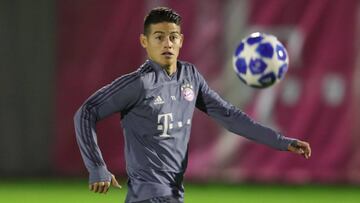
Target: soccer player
{"points": [[156, 103]]}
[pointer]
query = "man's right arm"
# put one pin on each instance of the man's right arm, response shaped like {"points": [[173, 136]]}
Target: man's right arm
{"points": [[121, 94]]}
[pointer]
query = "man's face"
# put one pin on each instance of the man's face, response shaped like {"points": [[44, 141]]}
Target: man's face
{"points": [[163, 43]]}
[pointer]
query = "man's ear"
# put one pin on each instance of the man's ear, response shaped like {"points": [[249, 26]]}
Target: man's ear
{"points": [[181, 40], [143, 40]]}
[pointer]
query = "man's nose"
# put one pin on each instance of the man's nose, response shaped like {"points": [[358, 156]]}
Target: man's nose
{"points": [[168, 43]]}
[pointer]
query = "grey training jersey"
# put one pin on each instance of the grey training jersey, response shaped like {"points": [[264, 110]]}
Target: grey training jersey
{"points": [[156, 111]]}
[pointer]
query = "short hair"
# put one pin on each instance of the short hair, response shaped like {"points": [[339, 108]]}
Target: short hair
{"points": [[159, 15]]}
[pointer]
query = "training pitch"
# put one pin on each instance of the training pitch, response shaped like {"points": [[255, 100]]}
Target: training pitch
{"points": [[70, 190]]}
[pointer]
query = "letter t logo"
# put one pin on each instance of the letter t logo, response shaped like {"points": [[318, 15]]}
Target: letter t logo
{"points": [[167, 119]]}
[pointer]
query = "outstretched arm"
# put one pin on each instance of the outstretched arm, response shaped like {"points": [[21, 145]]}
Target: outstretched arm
{"points": [[236, 121], [115, 97]]}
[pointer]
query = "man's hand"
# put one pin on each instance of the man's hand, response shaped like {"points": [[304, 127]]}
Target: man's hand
{"points": [[103, 187], [301, 148]]}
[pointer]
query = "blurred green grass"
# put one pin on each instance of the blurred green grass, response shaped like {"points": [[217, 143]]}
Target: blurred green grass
{"points": [[69, 190]]}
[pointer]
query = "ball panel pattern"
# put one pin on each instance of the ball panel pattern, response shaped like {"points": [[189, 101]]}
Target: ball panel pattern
{"points": [[280, 52], [267, 79], [254, 39], [257, 66], [265, 50], [282, 71], [260, 60], [241, 65], [239, 49]]}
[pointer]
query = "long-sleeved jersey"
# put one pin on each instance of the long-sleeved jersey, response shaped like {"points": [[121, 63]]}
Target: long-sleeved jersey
{"points": [[156, 114]]}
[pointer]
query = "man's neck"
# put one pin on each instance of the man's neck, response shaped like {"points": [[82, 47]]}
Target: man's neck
{"points": [[170, 69]]}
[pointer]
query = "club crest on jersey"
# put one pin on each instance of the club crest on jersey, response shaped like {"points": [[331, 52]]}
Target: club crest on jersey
{"points": [[187, 92]]}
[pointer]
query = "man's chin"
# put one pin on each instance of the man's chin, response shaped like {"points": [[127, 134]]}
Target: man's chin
{"points": [[168, 62]]}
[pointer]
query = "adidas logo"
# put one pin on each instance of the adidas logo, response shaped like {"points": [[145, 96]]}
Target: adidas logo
{"points": [[158, 100]]}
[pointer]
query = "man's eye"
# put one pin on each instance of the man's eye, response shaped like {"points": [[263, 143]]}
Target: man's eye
{"points": [[174, 37], [158, 37]]}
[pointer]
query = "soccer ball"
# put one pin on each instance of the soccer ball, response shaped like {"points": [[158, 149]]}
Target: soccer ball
{"points": [[260, 60]]}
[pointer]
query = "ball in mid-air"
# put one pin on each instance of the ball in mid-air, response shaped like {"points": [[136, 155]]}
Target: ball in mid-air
{"points": [[260, 60]]}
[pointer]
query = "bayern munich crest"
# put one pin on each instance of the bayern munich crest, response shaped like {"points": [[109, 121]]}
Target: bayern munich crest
{"points": [[187, 92]]}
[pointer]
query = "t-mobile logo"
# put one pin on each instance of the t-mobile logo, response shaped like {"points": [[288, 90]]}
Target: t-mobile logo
{"points": [[167, 124]]}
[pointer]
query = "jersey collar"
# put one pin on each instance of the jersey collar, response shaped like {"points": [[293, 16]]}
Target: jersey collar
{"points": [[162, 71]]}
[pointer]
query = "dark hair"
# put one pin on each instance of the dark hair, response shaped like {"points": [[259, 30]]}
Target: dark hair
{"points": [[159, 15]]}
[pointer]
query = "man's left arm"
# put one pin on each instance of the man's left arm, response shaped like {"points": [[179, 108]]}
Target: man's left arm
{"points": [[236, 121]]}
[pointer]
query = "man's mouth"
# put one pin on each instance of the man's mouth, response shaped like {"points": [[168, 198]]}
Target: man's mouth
{"points": [[167, 53]]}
